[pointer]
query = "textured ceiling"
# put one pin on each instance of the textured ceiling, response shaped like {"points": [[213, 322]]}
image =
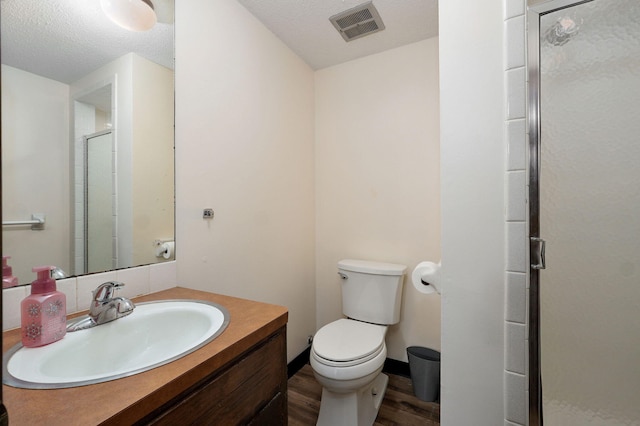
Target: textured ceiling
{"points": [[66, 39], [304, 26]]}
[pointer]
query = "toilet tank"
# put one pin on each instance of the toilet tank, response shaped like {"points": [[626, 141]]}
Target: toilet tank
{"points": [[371, 291]]}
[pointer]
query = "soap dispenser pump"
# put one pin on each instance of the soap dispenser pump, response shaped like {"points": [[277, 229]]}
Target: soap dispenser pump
{"points": [[8, 280], [44, 311]]}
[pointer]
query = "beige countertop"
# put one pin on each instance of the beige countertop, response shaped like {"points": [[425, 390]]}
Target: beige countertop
{"points": [[126, 400]]}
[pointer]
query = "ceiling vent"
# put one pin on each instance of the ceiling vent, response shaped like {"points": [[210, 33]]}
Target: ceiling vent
{"points": [[358, 22]]}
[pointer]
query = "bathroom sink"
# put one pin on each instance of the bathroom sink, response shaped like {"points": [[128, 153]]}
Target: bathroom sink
{"points": [[154, 334]]}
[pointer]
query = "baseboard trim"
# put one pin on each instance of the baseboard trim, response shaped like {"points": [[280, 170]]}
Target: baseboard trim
{"points": [[298, 362], [399, 368], [391, 366]]}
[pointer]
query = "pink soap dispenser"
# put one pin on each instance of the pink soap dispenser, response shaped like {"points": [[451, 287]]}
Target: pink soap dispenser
{"points": [[44, 312], [8, 280]]}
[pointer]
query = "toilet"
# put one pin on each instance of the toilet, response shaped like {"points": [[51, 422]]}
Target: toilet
{"points": [[348, 354]]}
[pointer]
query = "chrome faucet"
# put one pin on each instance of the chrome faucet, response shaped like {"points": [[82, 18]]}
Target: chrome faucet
{"points": [[104, 307]]}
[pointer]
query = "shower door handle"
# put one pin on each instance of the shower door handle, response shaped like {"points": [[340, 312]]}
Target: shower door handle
{"points": [[538, 245]]}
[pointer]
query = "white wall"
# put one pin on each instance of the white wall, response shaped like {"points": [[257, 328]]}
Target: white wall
{"points": [[472, 164], [35, 135], [244, 147], [377, 179], [153, 155], [224, 85]]}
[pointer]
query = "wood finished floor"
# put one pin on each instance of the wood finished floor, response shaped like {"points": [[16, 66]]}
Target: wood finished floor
{"points": [[399, 407]]}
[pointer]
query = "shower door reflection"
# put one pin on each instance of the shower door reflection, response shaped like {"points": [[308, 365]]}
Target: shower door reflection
{"points": [[589, 201], [99, 203]]}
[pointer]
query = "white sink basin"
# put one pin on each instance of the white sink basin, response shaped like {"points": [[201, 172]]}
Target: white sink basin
{"points": [[154, 334]]}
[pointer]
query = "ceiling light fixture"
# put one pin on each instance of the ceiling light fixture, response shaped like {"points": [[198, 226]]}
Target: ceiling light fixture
{"points": [[133, 15]]}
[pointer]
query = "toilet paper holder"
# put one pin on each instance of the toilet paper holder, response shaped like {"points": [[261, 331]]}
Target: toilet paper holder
{"points": [[426, 277], [164, 248], [157, 243]]}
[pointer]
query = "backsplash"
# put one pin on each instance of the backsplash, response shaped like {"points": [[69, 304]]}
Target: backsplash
{"points": [[138, 281]]}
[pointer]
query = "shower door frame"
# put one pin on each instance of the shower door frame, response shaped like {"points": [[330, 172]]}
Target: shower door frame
{"points": [[535, 9], [114, 212]]}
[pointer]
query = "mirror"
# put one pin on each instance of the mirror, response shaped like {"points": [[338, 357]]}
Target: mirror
{"points": [[87, 138]]}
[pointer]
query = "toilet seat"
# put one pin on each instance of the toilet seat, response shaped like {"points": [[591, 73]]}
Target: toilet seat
{"points": [[359, 371], [346, 342]]}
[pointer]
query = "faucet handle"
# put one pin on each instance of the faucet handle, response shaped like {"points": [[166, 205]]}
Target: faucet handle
{"points": [[105, 291]]}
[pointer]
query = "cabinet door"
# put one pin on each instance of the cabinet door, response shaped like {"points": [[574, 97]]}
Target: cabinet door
{"points": [[274, 414], [248, 387]]}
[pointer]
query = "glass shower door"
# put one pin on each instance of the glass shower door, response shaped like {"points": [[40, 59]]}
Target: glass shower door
{"points": [[589, 212], [99, 203]]}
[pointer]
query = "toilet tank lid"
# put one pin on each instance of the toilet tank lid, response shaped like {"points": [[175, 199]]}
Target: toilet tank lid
{"points": [[371, 267]]}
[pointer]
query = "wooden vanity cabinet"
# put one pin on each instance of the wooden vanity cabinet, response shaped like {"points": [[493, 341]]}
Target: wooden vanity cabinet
{"points": [[239, 378], [249, 390]]}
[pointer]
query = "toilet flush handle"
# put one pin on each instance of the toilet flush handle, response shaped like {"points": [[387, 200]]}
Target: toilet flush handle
{"points": [[343, 276]]}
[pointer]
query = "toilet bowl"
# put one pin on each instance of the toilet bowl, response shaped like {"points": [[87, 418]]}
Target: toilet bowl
{"points": [[347, 355]]}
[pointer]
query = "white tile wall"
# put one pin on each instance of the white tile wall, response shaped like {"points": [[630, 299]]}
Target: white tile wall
{"points": [[84, 124], [88, 283], [11, 299], [162, 276], [514, 42], [69, 288], [513, 8], [138, 281], [516, 297], [516, 97], [516, 145], [517, 247], [516, 214], [516, 405], [516, 198], [515, 355]]}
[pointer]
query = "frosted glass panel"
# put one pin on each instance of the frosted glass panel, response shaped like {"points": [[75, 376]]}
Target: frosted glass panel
{"points": [[590, 214], [100, 196]]}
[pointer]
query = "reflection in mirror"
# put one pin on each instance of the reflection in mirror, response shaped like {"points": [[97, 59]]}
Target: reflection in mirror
{"points": [[87, 138], [99, 221]]}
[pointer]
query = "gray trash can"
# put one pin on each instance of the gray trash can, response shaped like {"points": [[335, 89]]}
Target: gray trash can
{"points": [[424, 365]]}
